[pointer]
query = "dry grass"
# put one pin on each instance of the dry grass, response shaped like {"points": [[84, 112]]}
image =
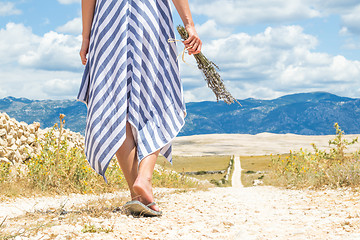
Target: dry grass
{"points": [[30, 224], [256, 167], [196, 163], [307, 169], [59, 169], [80, 219], [199, 163], [319, 168]]}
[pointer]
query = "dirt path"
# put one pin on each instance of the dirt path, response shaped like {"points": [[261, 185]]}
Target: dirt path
{"points": [[236, 177], [260, 212]]}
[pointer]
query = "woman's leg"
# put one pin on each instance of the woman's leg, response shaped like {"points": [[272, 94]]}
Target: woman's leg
{"points": [[142, 185], [126, 156]]}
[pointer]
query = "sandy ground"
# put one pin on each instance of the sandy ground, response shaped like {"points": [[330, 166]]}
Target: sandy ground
{"points": [[247, 145], [236, 177], [259, 212]]}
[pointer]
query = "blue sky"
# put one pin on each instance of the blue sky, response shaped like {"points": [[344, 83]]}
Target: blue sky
{"points": [[265, 48]]}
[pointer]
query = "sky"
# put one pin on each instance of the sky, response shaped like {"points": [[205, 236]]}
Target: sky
{"points": [[264, 48]]}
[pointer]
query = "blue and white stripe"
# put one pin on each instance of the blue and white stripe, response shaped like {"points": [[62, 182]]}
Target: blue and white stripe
{"points": [[131, 73]]}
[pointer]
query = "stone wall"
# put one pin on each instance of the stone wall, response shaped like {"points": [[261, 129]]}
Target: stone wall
{"points": [[19, 139]]}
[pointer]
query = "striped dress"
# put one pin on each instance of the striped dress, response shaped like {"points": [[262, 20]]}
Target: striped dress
{"points": [[131, 75]]}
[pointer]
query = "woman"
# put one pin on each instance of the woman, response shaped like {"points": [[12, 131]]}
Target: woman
{"points": [[131, 86]]}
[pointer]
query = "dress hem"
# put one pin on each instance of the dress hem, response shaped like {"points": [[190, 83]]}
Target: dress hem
{"points": [[177, 132]]}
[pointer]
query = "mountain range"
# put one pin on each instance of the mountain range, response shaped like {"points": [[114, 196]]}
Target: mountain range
{"points": [[304, 113]]}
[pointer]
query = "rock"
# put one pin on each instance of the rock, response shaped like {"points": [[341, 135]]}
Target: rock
{"points": [[14, 147], [22, 148], [31, 139], [18, 140], [2, 132], [20, 131], [17, 155], [10, 140], [24, 156], [11, 123], [2, 151], [23, 125], [12, 132], [10, 155], [23, 139], [4, 159], [257, 182], [37, 125]]}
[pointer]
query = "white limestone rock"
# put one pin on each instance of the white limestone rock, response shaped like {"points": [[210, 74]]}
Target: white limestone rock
{"points": [[18, 140]]}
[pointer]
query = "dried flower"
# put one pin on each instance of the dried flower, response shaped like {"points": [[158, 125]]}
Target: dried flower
{"points": [[210, 73]]}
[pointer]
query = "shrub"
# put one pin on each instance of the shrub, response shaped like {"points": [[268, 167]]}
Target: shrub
{"points": [[320, 168], [63, 169], [4, 171]]}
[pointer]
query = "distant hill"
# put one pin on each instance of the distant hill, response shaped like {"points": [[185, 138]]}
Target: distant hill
{"points": [[46, 112], [304, 113]]}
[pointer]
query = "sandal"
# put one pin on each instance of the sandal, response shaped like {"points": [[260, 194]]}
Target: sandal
{"points": [[137, 208]]}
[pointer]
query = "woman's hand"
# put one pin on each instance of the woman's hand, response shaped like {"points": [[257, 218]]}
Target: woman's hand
{"points": [[84, 50], [193, 43]]}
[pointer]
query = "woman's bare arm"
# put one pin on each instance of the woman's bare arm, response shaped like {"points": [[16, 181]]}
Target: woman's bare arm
{"points": [[87, 8], [182, 6], [194, 42]]}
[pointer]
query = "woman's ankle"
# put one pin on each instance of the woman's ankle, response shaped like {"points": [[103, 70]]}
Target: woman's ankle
{"points": [[135, 196]]}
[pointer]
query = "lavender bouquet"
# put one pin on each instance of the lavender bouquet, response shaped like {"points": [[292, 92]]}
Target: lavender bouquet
{"points": [[211, 75]]}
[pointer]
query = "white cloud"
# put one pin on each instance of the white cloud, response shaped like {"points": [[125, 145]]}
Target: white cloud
{"points": [[210, 29], [8, 8], [351, 44], [351, 20], [269, 64], [202, 93], [15, 40], [344, 31], [73, 27], [278, 61], [61, 87], [38, 84], [243, 50], [254, 11], [333, 6], [39, 67], [69, 1], [233, 12], [52, 51]]}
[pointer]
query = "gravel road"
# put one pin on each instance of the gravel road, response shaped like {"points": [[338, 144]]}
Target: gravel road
{"points": [[259, 212]]}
